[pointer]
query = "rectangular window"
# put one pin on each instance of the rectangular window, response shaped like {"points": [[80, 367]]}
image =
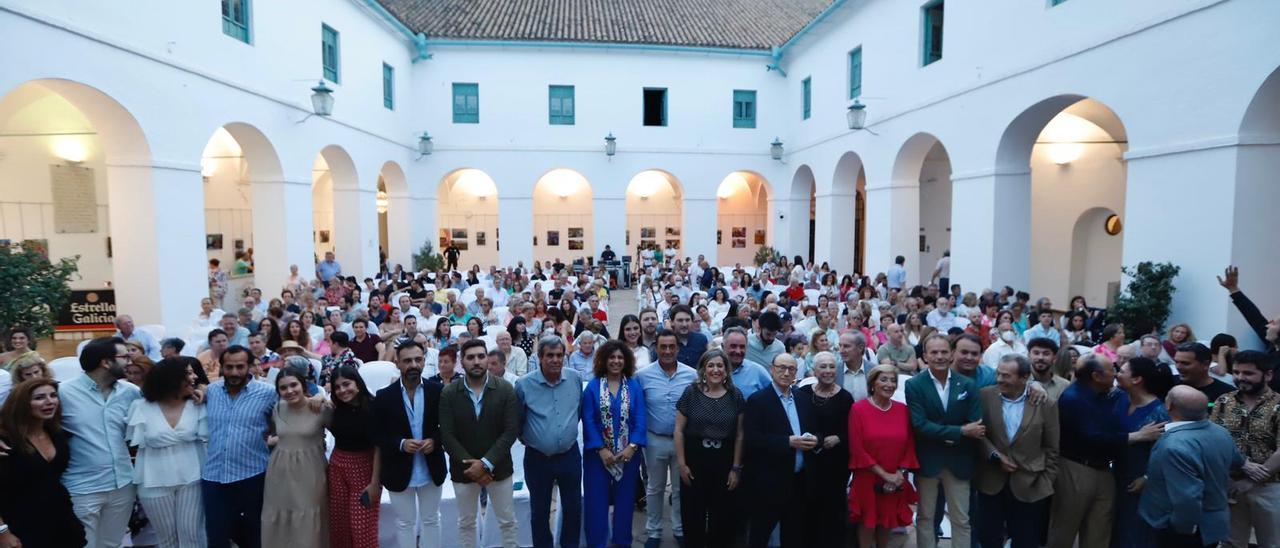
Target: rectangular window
{"points": [[744, 108], [806, 96], [655, 106], [466, 103], [855, 73], [560, 105], [933, 31], [235, 19], [388, 87], [329, 53]]}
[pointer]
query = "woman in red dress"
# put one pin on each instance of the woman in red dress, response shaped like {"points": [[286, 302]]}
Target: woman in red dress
{"points": [[881, 451]]}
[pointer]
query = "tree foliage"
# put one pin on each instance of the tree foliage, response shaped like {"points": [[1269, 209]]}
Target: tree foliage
{"points": [[427, 258], [35, 289], [766, 254], [1145, 304]]}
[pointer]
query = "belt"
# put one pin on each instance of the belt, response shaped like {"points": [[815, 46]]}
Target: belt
{"points": [[1097, 464], [708, 443], [572, 449]]}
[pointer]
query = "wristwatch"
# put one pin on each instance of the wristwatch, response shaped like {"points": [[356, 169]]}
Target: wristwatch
{"points": [[632, 446]]}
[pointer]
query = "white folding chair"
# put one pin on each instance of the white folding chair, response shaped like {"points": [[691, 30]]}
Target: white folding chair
{"points": [[455, 330], [65, 369], [379, 374], [80, 347], [493, 330], [155, 330]]}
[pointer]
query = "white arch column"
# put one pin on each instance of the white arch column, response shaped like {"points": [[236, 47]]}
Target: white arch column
{"points": [[835, 220], [699, 227], [790, 236], [991, 234], [281, 232], [515, 221], [157, 211], [893, 226], [355, 228], [407, 230], [610, 225]]}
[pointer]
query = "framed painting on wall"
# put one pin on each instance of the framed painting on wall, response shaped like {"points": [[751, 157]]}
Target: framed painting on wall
{"points": [[324, 237], [719, 237], [238, 244], [739, 243], [648, 233], [740, 232], [462, 244], [553, 238], [673, 244], [214, 241], [480, 239], [575, 232], [575, 245], [459, 234], [759, 236]]}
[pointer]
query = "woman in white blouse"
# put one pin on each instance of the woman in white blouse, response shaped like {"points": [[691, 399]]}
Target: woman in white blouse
{"points": [[208, 316], [170, 432]]}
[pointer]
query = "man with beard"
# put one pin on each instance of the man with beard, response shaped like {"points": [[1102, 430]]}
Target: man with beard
{"points": [[479, 421], [412, 458], [1043, 353], [239, 417], [748, 377], [95, 407], [1252, 415], [649, 331]]}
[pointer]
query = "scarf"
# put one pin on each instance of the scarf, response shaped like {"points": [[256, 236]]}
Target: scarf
{"points": [[615, 441]]}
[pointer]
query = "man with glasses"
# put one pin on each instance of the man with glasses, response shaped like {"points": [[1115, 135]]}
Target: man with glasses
{"points": [[775, 456]]}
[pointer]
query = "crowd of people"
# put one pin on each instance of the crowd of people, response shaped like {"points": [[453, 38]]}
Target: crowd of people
{"points": [[775, 405]]}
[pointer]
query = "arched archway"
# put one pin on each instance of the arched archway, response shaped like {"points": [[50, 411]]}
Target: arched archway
{"points": [[562, 216], [844, 241], [78, 180], [654, 211], [924, 166], [395, 233], [742, 217], [337, 206], [801, 216], [1254, 223], [468, 216], [1096, 252]]}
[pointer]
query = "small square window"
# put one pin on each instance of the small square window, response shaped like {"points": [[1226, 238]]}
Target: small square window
{"points": [[560, 105], [466, 103], [235, 19], [655, 106], [744, 108]]}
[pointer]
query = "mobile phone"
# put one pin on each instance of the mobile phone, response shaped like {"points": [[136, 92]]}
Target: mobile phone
{"points": [[364, 499]]}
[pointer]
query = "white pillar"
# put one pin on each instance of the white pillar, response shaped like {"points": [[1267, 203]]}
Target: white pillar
{"points": [[699, 232], [515, 220], [406, 228], [834, 232], [609, 223], [990, 234], [893, 226], [355, 228], [157, 236], [281, 233]]}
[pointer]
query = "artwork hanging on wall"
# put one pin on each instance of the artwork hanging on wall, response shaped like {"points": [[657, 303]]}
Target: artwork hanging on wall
{"points": [[238, 244], [740, 232], [739, 243], [759, 236], [324, 237], [673, 232], [444, 239], [647, 243], [108, 247], [480, 239], [628, 239], [461, 245], [214, 241], [673, 244], [553, 238], [459, 234], [719, 237], [575, 245], [648, 232], [575, 232]]}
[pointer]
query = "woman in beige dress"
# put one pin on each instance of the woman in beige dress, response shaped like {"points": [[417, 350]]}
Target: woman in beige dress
{"points": [[295, 507]]}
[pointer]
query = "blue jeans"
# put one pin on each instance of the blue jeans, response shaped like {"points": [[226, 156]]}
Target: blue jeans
{"points": [[541, 474], [233, 511]]}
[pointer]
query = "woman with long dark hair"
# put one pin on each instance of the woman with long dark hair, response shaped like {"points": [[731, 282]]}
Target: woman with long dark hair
{"points": [[294, 508], [170, 432], [270, 331], [518, 328], [36, 507], [354, 488], [613, 434], [1140, 409]]}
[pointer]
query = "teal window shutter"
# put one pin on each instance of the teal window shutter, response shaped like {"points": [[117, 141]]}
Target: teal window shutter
{"points": [[466, 103], [806, 96], [744, 108], [560, 105], [1055, 2], [329, 53], [933, 13], [388, 87], [235, 19], [855, 73]]}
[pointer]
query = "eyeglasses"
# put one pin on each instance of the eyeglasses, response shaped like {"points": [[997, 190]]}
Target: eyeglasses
{"points": [[786, 369]]}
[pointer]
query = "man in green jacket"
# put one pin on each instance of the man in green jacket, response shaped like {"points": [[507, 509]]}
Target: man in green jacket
{"points": [[946, 416], [479, 421]]}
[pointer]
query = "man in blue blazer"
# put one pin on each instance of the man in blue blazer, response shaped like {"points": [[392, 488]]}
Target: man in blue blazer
{"points": [[778, 439], [413, 465], [946, 416], [1185, 497]]}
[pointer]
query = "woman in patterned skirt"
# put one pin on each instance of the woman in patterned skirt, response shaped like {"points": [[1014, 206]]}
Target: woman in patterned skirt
{"points": [[354, 487]]}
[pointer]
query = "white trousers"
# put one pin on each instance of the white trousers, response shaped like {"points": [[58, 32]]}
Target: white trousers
{"points": [[176, 514], [501, 503], [413, 507], [660, 460], [105, 515]]}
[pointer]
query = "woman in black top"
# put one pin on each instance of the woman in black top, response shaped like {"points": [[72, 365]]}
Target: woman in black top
{"points": [[355, 491], [35, 509], [519, 329], [829, 512], [708, 443]]}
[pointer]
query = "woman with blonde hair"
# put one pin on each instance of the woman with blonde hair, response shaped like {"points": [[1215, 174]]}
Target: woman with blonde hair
{"points": [[29, 367], [881, 451]]}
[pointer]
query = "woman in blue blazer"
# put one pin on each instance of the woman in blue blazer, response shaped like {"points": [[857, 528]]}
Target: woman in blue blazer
{"points": [[613, 433]]}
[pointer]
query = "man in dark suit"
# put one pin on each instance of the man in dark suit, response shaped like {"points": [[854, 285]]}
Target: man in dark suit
{"points": [[1019, 459], [946, 417], [777, 441], [1185, 497], [479, 421], [413, 465]]}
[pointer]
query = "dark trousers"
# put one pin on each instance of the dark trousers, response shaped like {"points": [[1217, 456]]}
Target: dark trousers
{"points": [[827, 520], [1004, 516], [944, 287], [543, 472], [706, 507], [1168, 538], [774, 510], [233, 512]]}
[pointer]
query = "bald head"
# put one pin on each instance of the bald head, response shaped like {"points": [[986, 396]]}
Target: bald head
{"points": [[1187, 404]]}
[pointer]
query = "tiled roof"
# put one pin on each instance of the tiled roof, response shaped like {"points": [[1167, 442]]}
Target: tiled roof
{"points": [[744, 24]]}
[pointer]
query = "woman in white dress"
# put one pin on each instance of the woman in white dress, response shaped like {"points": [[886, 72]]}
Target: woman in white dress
{"points": [[170, 432]]}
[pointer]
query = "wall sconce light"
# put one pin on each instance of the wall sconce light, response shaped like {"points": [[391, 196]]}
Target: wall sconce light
{"points": [[1064, 153], [610, 145], [856, 115], [70, 149], [425, 146], [775, 149], [321, 101]]}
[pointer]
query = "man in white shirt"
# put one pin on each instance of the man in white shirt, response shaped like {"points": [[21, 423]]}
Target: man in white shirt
{"points": [[1006, 343], [943, 319], [1044, 329], [942, 274]]}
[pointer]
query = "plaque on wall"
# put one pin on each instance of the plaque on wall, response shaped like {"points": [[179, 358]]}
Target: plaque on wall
{"points": [[75, 200]]}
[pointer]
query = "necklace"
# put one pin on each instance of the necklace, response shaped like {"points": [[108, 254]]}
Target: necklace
{"points": [[885, 408]]}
